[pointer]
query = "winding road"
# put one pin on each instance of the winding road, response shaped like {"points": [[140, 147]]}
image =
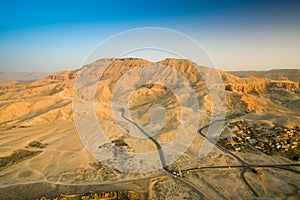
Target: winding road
{"points": [[245, 166], [162, 157]]}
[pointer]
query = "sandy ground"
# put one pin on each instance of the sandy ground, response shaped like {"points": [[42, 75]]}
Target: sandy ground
{"points": [[43, 155]]}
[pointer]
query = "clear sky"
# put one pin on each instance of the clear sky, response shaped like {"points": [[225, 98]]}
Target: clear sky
{"points": [[238, 34]]}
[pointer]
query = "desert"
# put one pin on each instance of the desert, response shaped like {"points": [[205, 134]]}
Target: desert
{"points": [[256, 155]]}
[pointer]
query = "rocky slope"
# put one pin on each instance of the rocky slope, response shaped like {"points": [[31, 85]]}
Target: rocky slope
{"points": [[37, 120]]}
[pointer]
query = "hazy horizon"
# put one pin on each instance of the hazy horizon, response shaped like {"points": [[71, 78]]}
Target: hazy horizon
{"points": [[218, 67], [238, 35]]}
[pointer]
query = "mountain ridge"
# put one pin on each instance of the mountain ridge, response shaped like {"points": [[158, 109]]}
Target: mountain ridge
{"points": [[40, 141], [60, 84], [291, 74]]}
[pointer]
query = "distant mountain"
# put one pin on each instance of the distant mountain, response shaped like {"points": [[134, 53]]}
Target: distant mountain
{"points": [[291, 74], [22, 76]]}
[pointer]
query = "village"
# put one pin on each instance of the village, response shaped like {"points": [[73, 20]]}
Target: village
{"points": [[269, 140]]}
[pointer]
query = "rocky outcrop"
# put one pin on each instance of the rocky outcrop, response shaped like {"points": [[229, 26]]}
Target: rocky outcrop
{"points": [[63, 76], [262, 86], [259, 94]]}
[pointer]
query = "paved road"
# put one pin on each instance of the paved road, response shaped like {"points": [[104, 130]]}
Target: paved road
{"points": [[162, 157], [245, 166]]}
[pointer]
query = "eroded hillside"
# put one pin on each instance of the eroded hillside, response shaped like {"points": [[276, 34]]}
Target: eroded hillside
{"points": [[40, 142]]}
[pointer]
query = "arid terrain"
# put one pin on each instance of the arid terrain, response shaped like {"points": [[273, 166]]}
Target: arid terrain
{"points": [[22, 76], [42, 156]]}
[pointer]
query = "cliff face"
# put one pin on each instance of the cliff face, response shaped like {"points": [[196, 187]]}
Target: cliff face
{"points": [[63, 76], [260, 94], [262, 86]]}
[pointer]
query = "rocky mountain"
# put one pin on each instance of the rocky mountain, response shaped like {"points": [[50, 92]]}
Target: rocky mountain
{"points": [[40, 142]]}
